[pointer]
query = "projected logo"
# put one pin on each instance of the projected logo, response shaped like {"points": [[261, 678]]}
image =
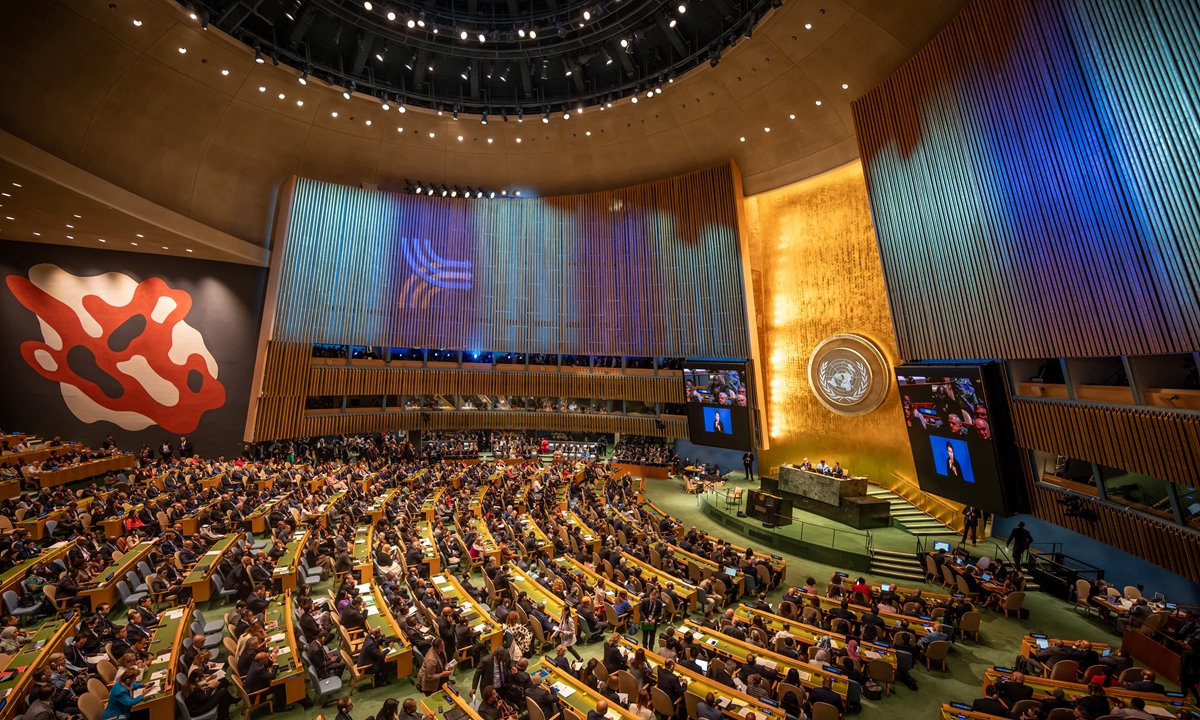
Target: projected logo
{"points": [[431, 273], [119, 349]]}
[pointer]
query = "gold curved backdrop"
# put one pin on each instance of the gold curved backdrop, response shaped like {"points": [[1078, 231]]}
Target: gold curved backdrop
{"points": [[817, 274]]}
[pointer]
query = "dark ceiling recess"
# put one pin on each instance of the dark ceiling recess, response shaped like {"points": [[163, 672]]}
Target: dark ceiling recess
{"points": [[489, 56]]}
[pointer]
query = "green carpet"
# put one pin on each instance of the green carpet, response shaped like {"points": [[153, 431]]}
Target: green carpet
{"points": [[999, 637]]}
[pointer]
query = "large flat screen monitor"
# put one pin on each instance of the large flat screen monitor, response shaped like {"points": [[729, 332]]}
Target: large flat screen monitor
{"points": [[958, 429], [717, 403]]}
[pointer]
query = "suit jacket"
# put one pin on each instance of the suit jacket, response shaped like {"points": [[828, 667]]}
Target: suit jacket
{"points": [[320, 662], [485, 672], [352, 619], [309, 626], [669, 683], [990, 706], [259, 678], [825, 695], [372, 655], [613, 659], [1012, 692], [257, 603], [427, 678]]}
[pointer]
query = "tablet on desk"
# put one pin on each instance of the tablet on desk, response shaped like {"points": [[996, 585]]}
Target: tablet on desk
{"points": [[1043, 644], [1106, 653], [885, 587]]}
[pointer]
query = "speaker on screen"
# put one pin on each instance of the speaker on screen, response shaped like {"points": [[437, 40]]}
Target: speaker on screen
{"points": [[960, 434]]}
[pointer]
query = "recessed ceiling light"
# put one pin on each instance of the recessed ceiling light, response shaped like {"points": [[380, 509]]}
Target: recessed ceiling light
{"points": [[102, 240], [518, 139], [282, 96], [845, 86], [818, 102], [16, 184], [588, 133], [139, 235], [79, 216], [766, 129], [137, 23], [460, 138], [5, 194], [224, 72], [262, 88], [71, 226], [132, 243], [743, 139], [792, 117], [189, 249], [368, 6], [182, 50], [9, 217], [38, 234], [430, 134], [335, 113], [399, 129], [70, 237], [808, 26], [165, 247], [299, 103], [490, 140], [368, 122]]}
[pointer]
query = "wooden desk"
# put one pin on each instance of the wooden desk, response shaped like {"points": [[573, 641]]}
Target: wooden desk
{"points": [[429, 507], [377, 509], [105, 590], [591, 539], [190, 523], [1043, 688], [487, 544], [489, 629], [10, 489], [289, 563], [529, 527], [705, 568], [649, 571], [364, 566], [445, 700], [580, 702], [166, 645], [40, 454], [259, 518], [811, 675], [15, 575], [610, 588], [282, 637], [699, 685], [43, 643], [537, 593], [37, 525], [114, 527], [82, 471], [199, 580], [379, 615], [323, 510], [916, 625], [479, 497], [432, 557], [806, 636]]}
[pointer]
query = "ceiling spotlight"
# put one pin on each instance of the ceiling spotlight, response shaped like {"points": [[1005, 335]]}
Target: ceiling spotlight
{"points": [[258, 58], [517, 193], [624, 42], [504, 73], [292, 7], [191, 10], [182, 50], [546, 117], [532, 34], [304, 78], [545, 68], [607, 58], [566, 115], [466, 73], [421, 19], [382, 53], [412, 58], [566, 68], [634, 99], [224, 72], [482, 38], [682, 8], [818, 102], [385, 104], [808, 26], [484, 120], [462, 35], [400, 106], [137, 23], [671, 21], [348, 91], [454, 192], [411, 24], [504, 114], [749, 31], [275, 58], [845, 86], [368, 6], [658, 90], [455, 112], [521, 31], [391, 15], [587, 14], [445, 191], [520, 115], [282, 96], [492, 195]]}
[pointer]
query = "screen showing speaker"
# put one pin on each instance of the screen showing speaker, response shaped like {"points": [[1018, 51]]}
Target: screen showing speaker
{"points": [[716, 398], [952, 420]]}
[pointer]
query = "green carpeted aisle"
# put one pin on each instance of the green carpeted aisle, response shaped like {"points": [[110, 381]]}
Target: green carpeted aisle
{"points": [[963, 681]]}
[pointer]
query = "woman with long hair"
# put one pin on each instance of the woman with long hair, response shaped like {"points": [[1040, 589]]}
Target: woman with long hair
{"points": [[567, 631]]}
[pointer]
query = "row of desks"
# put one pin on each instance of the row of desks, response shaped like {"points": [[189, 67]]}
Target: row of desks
{"points": [[199, 580], [82, 471], [1043, 688]]}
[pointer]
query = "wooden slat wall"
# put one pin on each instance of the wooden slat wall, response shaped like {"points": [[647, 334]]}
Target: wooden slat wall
{"points": [[1032, 175], [1162, 444], [1168, 546], [290, 378], [387, 381], [650, 270]]}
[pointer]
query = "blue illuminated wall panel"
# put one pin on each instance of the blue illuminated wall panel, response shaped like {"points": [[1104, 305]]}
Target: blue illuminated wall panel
{"points": [[1034, 175]]}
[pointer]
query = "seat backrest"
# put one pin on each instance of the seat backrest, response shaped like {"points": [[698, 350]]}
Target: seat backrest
{"points": [[881, 671], [1132, 592], [181, 707], [11, 601], [1020, 706], [947, 575], [937, 650], [1061, 713], [969, 622], [662, 702], [90, 706], [107, 671], [1083, 589], [1014, 601], [785, 688], [690, 701], [1065, 670], [824, 711], [535, 712], [97, 688]]}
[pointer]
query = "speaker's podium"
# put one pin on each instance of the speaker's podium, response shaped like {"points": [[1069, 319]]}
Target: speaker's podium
{"points": [[772, 510]]}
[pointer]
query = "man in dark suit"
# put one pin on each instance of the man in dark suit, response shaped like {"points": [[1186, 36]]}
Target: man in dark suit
{"points": [[373, 656], [308, 624], [990, 704], [259, 600], [1149, 683], [669, 682], [1014, 689], [324, 663], [825, 694], [262, 672], [542, 697], [493, 670]]}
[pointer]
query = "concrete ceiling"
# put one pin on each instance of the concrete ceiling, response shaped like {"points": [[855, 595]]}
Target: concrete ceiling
{"points": [[205, 134]]}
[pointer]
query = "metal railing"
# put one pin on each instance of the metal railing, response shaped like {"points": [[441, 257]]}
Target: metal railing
{"points": [[840, 539]]}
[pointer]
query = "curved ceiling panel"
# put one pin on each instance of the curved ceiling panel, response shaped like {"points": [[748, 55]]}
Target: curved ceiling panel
{"points": [[205, 133]]}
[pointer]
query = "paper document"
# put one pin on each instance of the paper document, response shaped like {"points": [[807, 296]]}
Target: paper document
{"points": [[563, 690], [277, 637]]}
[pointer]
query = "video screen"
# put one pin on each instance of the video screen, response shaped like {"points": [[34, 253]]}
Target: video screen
{"points": [[717, 407], [715, 387], [949, 419]]}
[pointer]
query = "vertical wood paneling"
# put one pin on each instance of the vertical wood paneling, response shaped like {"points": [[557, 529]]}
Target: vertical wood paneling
{"points": [[1032, 180], [650, 270]]}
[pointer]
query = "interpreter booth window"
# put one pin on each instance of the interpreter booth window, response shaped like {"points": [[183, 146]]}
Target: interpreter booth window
{"points": [[1189, 505], [1066, 473], [323, 402], [1140, 492], [678, 409], [475, 402], [637, 407], [510, 359], [329, 351]]}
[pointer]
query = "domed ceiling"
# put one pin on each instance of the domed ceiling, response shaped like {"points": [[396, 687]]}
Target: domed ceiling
{"points": [[166, 100]]}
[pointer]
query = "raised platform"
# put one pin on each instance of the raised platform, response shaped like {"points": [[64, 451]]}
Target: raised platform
{"points": [[861, 512], [654, 472], [841, 547]]}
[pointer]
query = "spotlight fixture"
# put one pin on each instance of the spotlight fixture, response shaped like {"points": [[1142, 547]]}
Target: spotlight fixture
{"points": [[482, 38], [455, 112], [749, 31], [545, 68], [566, 115], [546, 117], [533, 33], [504, 114], [634, 99], [462, 35], [520, 115], [521, 31], [411, 23], [400, 105], [607, 58], [421, 19], [466, 73], [385, 104], [348, 91], [258, 57], [682, 8], [275, 58], [504, 73], [304, 77], [391, 15], [382, 52], [566, 68], [671, 21], [292, 8], [483, 121], [368, 6], [587, 14]]}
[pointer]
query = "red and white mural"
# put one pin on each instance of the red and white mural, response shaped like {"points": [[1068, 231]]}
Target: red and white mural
{"points": [[166, 374]]}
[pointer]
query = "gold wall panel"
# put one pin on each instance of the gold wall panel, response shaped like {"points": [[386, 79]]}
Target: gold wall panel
{"points": [[814, 245]]}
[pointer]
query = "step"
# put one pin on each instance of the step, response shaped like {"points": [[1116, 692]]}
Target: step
{"points": [[888, 554], [899, 573]]}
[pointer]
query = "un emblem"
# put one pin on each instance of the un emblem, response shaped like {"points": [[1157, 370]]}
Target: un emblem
{"points": [[849, 375]]}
